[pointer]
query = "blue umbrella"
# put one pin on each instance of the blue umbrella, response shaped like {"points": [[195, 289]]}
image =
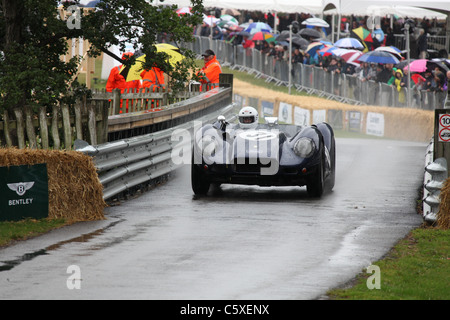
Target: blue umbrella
{"points": [[258, 26], [382, 57]]}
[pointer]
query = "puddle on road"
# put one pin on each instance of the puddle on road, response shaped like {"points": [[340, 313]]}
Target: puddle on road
{"points": [[10, 264]]}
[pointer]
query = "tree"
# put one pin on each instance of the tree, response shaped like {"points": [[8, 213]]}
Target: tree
{"points": [[33, 39]]}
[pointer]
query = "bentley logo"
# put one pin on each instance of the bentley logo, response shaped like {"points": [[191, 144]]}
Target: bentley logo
{"points": [[21, 187]]}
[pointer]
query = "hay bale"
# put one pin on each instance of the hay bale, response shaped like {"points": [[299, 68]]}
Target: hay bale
{"points": [[75, 192], [443, 216]]}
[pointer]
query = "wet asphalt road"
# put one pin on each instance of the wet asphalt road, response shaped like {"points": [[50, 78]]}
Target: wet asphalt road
{"points": [[240, 242]]}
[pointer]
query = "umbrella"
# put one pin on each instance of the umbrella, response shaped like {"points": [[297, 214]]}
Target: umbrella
{"points": [[209, 20], [258, 26], [349, 56], [233, 27], [443, 60], [183, 10], [244, 33], [311, 49], [134, 72], [283, 36], [262, 35], [227, 19], [415, 77], [378, 57], [391, 49], [308, 32], [364, 35], [419, 65], [299, 42], [349, 43], [316, 22], [432, 64], [327, 50], [232, 12]]}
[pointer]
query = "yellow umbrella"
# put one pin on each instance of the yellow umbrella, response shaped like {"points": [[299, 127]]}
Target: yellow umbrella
{"points": [[134, 72]]}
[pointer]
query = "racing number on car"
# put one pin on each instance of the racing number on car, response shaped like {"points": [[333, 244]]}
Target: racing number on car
{"points": [[444, 128], [258, 135]]}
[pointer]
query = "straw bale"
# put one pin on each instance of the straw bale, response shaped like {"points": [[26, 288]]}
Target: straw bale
{"points": [[75, 192], [443, 216], [400, 123]]}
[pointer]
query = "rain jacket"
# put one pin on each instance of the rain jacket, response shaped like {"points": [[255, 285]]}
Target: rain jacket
{"points": [[117, 81], [209, 74], [397, 82], [153, 78]]}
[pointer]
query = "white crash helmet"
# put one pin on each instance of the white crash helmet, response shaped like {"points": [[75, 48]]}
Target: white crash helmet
{"points": [[248, 118]]}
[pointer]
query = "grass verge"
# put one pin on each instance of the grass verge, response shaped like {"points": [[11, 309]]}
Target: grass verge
{"points": [[11, 231], [417, 268]]}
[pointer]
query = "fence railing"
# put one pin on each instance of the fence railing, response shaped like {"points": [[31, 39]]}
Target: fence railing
{"points": [[314, 80], [58, 126]]}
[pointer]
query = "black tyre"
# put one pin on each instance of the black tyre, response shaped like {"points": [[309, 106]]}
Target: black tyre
{"points": [[316, 183], [332, 176], [199, 182]]}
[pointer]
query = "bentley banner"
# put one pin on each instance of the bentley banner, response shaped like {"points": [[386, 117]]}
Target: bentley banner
{"points": [[23, 192]]}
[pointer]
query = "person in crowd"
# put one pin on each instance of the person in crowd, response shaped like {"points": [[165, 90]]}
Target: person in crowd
{"points": [[390, 37], [363, 71], [211, 71], [422, 45], [265, 48], [297, 56], [205, 30], [440, 89], [430, 84], [384, 72], [398, 85], [216, 32]]}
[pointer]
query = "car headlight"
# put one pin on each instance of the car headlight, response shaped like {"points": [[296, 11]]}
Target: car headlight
{"points": [[304, 147], [208, 144]]}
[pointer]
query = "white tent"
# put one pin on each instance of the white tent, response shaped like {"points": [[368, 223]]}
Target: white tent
{"points": [[288, 6], [402, 8]]}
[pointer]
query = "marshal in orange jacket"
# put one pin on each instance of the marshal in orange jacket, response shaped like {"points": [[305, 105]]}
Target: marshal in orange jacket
{"points": [[209, 74], [117, 81]]}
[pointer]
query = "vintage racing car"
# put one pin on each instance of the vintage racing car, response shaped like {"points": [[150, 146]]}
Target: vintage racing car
{"points": [[269, 154]]}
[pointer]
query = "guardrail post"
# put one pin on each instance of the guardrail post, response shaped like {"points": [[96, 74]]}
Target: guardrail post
{"points": [[438, 172]]}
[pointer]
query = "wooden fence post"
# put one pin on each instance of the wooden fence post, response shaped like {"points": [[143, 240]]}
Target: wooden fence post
{"points": [[6, 128], [66, 127], [20, 128], [55, 133], [43, 127], [116, 101]]}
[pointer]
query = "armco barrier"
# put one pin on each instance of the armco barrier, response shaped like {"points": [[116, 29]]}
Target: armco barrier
{"points": [[126, 163]]}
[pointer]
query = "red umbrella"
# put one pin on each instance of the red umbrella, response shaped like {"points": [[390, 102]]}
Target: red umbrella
{"points": [[262, 35], [415, 77]]}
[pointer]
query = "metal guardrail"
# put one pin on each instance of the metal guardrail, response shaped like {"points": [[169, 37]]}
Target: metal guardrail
{"points": [[434, 178], [126, 163]]}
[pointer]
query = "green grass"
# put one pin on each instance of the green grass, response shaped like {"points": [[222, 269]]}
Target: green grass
{"points": [[417, 268], [24, 229]]}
